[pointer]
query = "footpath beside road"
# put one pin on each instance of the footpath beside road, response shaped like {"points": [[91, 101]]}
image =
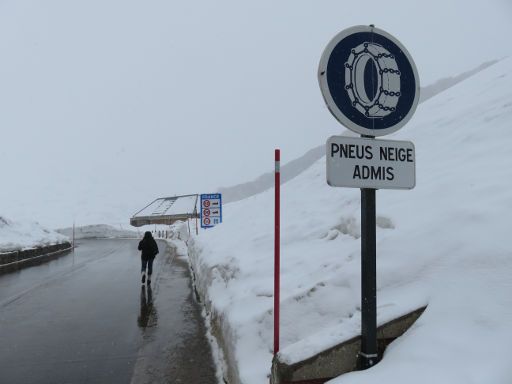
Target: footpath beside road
{"points": [[85, 318]]}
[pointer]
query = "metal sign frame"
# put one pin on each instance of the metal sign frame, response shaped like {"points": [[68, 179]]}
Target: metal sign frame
{"points": [[138, 220]]}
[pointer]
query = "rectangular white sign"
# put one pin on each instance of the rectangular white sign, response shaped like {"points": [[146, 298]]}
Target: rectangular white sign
{"points": [[370, 163]]}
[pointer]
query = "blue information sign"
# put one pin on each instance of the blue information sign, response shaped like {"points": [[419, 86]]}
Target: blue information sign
{"points": [[369, 81], [211, 210]]}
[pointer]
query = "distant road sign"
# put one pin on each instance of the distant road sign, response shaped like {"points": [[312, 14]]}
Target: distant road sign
{"points": [[370, 163], [211, 210], [369, 81]]}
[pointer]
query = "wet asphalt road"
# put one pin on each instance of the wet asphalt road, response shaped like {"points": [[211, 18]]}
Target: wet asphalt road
{"points": [[86, 318]]}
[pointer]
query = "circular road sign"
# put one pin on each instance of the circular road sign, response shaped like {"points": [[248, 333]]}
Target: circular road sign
{"points": [[369, 81]]}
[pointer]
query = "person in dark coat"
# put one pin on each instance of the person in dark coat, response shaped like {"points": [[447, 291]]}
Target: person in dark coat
{"points": [[149, 250]]}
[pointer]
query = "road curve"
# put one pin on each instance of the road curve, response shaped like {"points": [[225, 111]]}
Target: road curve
{"points": [[86, 318]]}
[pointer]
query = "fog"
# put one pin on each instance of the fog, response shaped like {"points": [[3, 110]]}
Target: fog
{"points": [[105, 105]]}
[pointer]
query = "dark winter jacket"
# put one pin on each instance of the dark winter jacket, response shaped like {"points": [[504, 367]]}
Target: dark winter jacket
{"points": [[148, 246]]}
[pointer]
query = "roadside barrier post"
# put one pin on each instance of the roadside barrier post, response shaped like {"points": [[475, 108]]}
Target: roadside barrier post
{"points": [[277, 248]]}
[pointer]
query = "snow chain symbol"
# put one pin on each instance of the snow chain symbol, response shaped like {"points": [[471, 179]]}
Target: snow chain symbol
{"points": [[387, 91]]}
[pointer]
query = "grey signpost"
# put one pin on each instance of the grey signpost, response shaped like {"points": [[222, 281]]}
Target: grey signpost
{"points": [[371, 85]]}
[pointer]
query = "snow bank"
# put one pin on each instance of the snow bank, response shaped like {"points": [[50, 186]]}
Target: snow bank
{"points": [[98, 231], [178, 237], [443, 243], [15, 236]]}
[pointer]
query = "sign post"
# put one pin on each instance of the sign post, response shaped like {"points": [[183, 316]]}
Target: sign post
{"points": [[368, 355], [371, 85]]}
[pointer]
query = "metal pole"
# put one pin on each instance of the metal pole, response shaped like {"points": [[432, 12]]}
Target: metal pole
{"points": [[368, 355], [277, 249]]}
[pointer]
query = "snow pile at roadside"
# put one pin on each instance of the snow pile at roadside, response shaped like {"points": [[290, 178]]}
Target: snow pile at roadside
{"points": [[16, 236], [444, 243], [98, 231], [178, 237]]}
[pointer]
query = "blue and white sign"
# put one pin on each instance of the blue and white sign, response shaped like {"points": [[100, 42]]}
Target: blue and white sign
{"points": [[369, 81], [211, 210]]}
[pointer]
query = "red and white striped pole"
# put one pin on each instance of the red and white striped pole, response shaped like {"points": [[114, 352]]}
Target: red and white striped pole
{"points": [[277, 215]]}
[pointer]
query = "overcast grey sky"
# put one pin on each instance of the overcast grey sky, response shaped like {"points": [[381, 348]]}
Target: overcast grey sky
{"points": [[105, 104]]}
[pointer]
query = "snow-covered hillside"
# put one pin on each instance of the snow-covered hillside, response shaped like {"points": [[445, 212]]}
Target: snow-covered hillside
{"points": [[298, 165], [444, 244], [15, 235]]}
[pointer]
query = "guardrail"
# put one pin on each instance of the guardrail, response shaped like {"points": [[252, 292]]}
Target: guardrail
{"points": [[16, 258]]}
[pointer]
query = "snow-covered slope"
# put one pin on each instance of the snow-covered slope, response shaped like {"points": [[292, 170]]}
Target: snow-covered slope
{"points": [[16, 235], [298, 165], [444, 243]]}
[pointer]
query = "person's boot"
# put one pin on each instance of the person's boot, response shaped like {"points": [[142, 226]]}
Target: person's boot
{"points": [[143, 277], [149, 279]]}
